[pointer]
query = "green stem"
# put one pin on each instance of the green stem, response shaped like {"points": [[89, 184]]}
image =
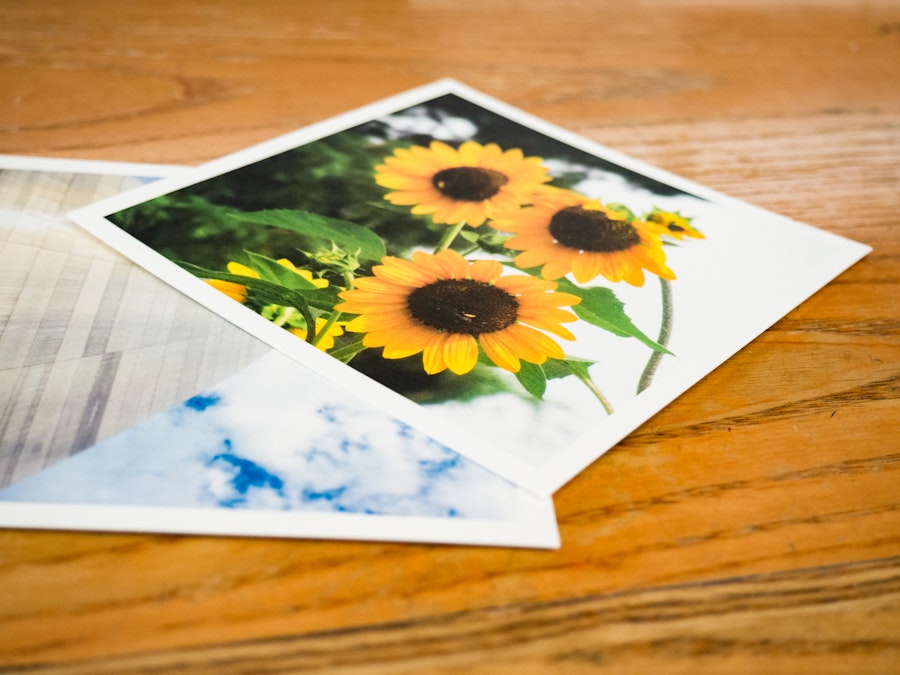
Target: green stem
{"points": [[595, 390], [347, 352], [334, 316], [324, 330], [470, 250], [449, 236], [665, 332]]}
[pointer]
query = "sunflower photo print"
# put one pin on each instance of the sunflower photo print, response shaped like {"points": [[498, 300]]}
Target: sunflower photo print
{"points": [[445, 269]]}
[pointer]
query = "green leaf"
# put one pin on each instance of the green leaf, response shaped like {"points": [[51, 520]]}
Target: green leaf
{"points": [[266, 292], [271, 270], [387, 206], [600, 307], [556, 368], [271, 293], [349, 236], [348, 351], [622, 210], [286, 317], [532, 378]]}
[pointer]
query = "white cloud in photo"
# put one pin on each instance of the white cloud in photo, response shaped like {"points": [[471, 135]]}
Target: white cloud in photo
{"points": [[277, 437]]}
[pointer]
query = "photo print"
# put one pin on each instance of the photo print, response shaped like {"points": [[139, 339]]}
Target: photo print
{"points": [[127, 406], [517, 292]]}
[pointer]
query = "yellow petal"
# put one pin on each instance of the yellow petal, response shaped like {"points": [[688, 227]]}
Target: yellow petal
{"points": [[546, 344], [243, 270], [526, 240], [518, 340], [469, 153], [414, 340], [549, 315], [558, 265], [396, 321], [376, 285], [486, 271], [403, 272], [533, 258], [460, 353], [433, 355], [499, 352], [492, 155], [451, 265], [234, 291], [586, 266], [408, 194], [474, 213], [363, 301], [515, 284], [552, 327]]}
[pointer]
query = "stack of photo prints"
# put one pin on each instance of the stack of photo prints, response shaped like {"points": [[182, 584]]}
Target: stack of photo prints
{"points": [[412, 322]]}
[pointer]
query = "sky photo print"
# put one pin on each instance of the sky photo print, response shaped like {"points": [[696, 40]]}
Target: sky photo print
{"points": [[127, 406]]}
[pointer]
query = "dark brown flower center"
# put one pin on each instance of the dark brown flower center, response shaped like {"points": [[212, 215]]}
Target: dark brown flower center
{"points": [[469, 183], [594, 231], [463, 306], [661, 220]]}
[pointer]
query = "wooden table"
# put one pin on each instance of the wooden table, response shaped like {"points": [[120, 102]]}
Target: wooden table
{"points": [[753, 525]]}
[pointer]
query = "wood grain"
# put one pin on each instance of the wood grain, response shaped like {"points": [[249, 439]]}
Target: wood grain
{"points": [[761, 622], [751, 526]]}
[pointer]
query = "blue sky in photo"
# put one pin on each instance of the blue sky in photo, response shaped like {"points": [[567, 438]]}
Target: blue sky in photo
{"points": [[275, 436]]}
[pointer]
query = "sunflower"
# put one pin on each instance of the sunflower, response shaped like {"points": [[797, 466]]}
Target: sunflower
{"points": [[676, 225], [238, 292], [568, 232], [460, 185], [446, 307]]}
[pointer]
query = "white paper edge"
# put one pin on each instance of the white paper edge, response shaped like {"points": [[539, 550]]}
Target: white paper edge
{"points": [[537, 527], [541, 480], [89, 166]]}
